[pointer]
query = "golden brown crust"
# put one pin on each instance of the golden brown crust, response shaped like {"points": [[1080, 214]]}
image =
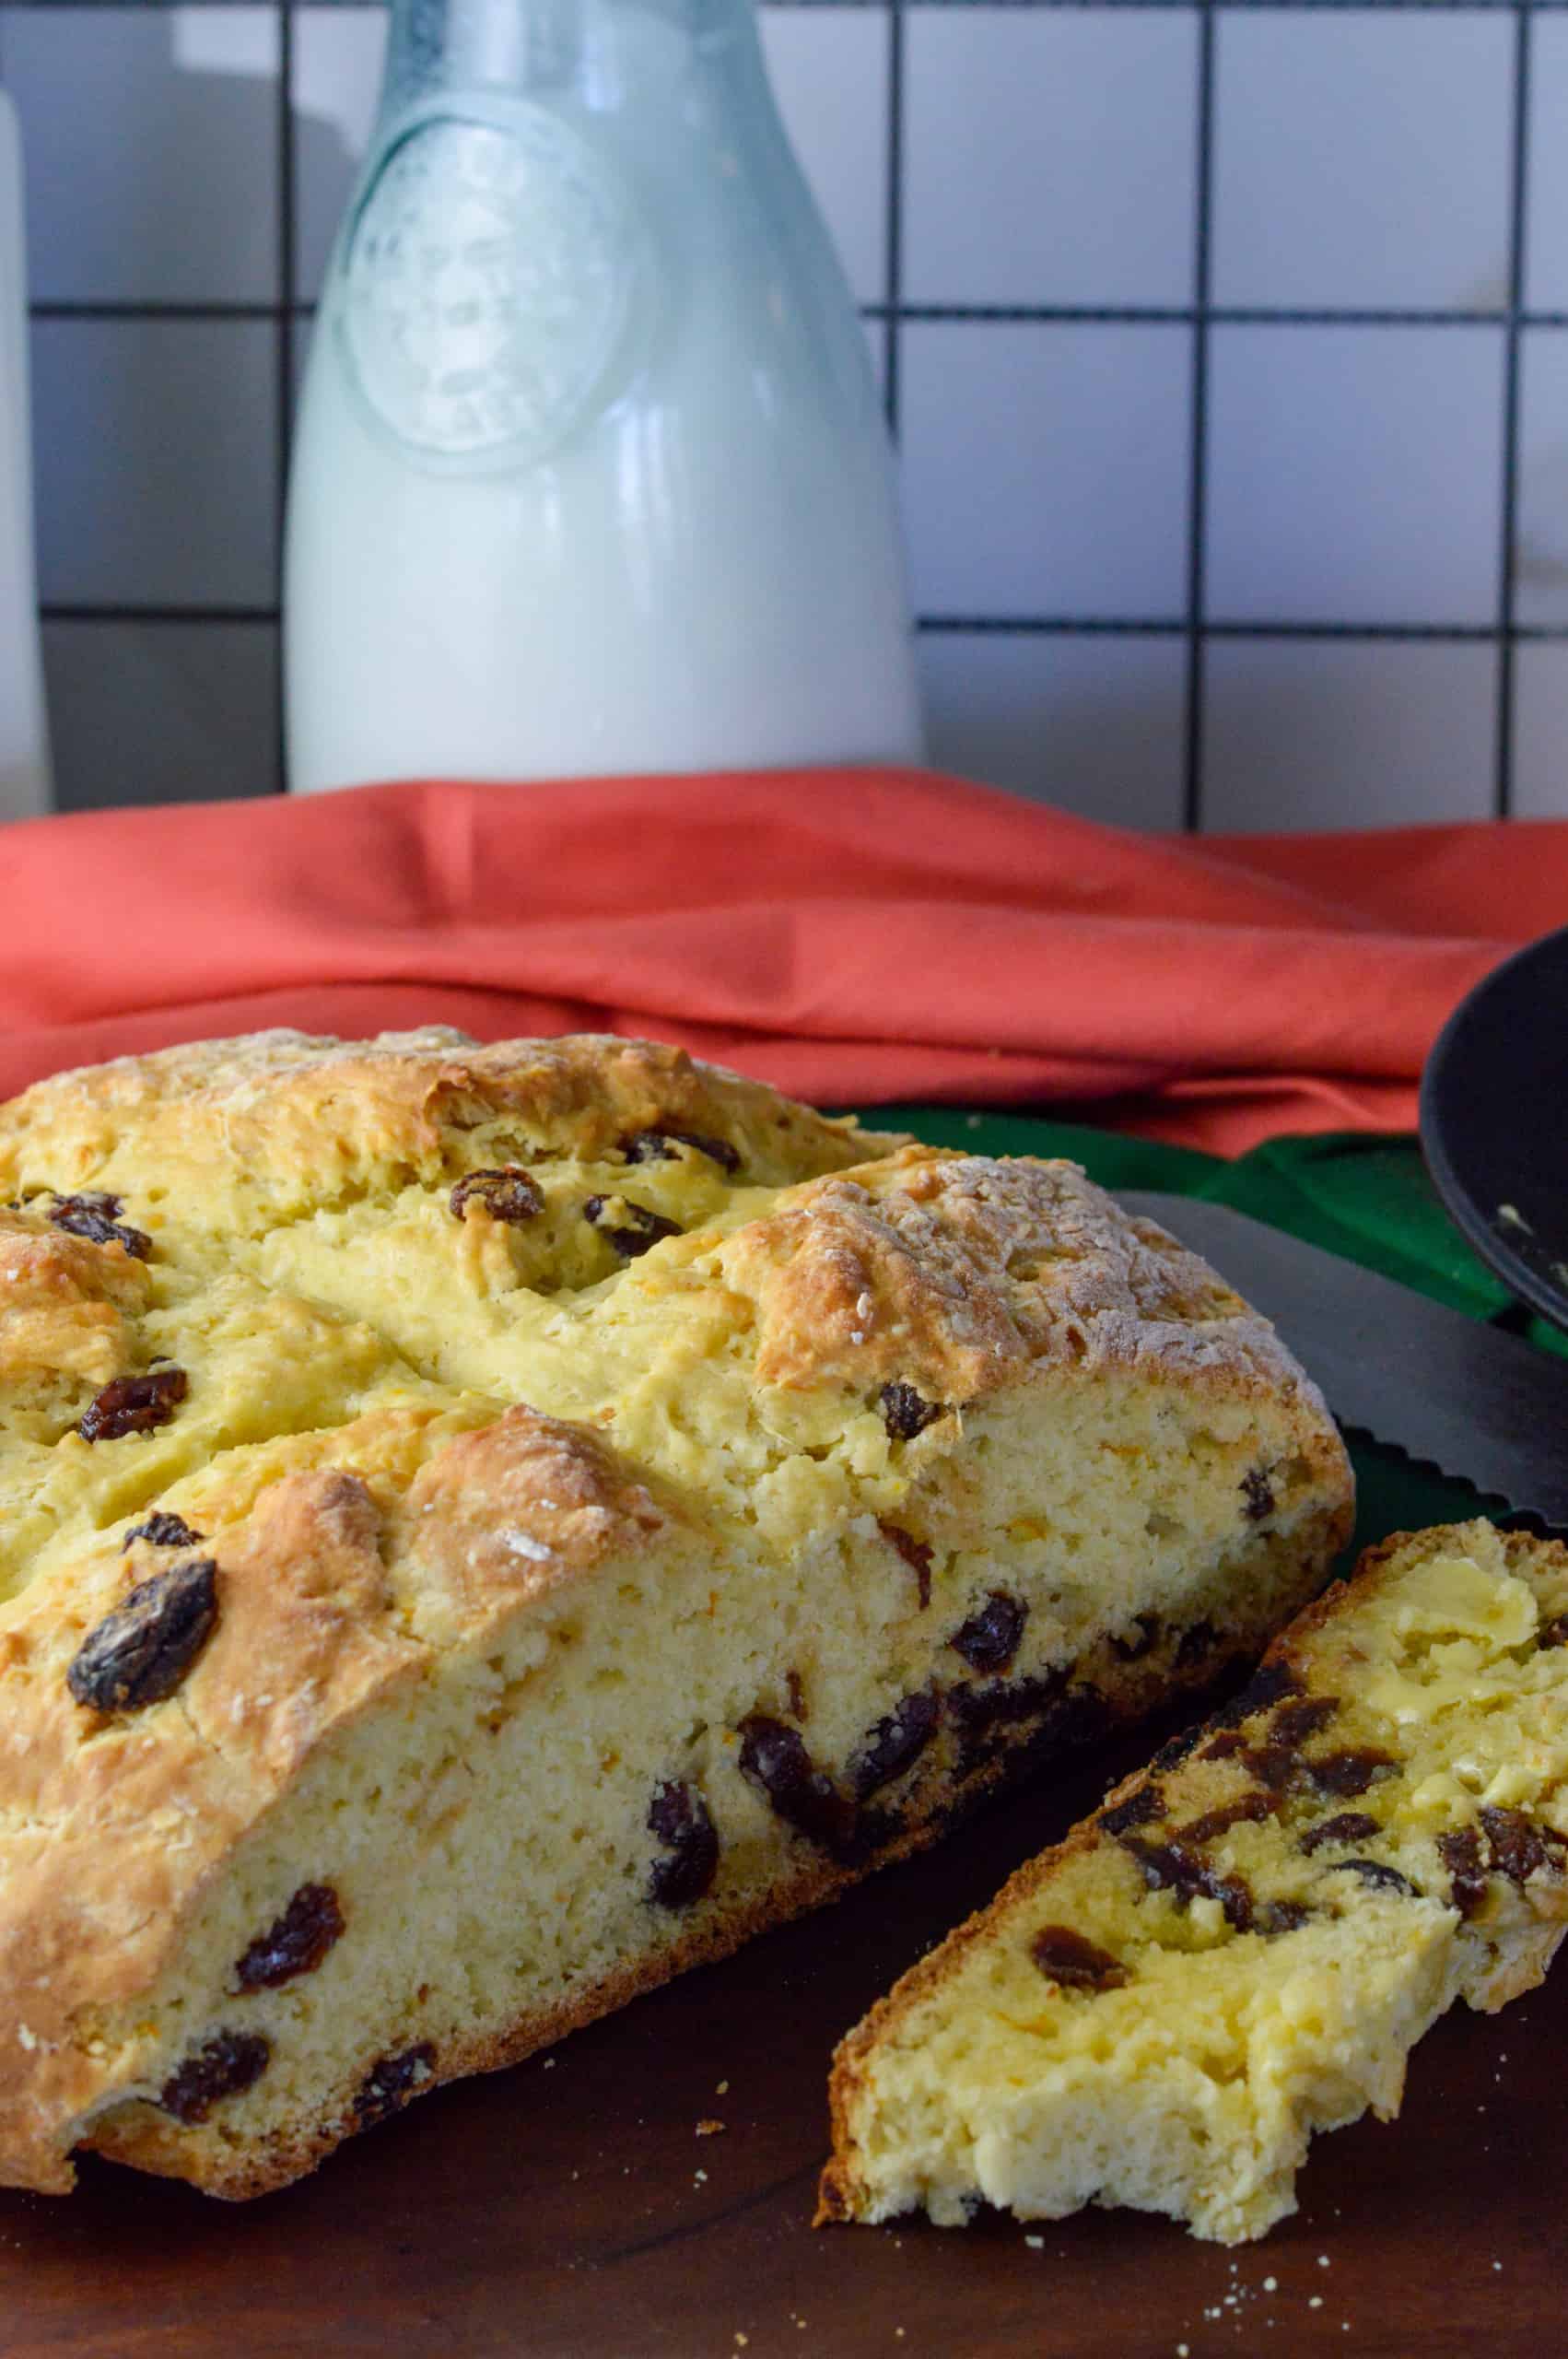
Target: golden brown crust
{"points": [[506, 1513], [959, 1274], [282, 1104], [64, 1302]]}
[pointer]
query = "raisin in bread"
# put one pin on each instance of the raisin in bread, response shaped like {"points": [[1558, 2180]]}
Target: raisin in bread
{"points": [[1244, 1945], [484, 1529]]}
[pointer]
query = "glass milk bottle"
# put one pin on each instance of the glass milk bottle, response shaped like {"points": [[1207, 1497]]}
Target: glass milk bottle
{"points": [[590, 474]]}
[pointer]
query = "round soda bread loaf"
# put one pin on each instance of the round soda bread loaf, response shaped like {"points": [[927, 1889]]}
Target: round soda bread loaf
{"points": [[1246, 1942], [482, 1528]]}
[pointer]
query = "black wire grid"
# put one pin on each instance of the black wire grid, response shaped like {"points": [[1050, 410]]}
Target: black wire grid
{"points": [[1194, 628]]}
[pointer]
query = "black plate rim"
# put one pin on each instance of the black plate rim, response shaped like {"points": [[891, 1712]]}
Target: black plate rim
{"points": [[1518, 1274]]}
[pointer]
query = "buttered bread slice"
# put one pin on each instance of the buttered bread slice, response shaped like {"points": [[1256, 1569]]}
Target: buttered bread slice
{"points": [[483, 1529], [1244, 1945]]}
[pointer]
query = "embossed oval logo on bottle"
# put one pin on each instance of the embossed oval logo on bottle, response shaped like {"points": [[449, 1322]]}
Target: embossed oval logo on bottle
{"points": [[487, 283]]}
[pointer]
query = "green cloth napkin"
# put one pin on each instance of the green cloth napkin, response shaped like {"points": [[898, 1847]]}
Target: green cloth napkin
{"points": [[1368, 1199]]}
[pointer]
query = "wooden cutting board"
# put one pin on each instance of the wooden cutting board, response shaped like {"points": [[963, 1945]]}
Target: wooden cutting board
{"points": [[570, 2209]]}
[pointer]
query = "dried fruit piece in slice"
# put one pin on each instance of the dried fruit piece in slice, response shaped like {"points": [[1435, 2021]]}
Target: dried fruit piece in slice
{"points": [[134, 1404], [138, 1654], [509, 1194], [631, 1227], [96, 1216], [1247, 1982]]}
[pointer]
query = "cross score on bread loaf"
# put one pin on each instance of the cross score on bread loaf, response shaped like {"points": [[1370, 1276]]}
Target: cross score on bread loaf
{"points": [[490, 1527]]}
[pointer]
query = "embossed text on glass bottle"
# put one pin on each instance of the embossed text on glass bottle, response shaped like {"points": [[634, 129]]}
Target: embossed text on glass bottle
{"points": [[590, 473]]}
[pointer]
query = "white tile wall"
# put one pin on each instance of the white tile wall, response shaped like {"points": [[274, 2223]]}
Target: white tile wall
{"points": [[1546, 237], [1045, 467], [1092, 723], [1052, 156], [1541, 547], [156, 461], [1361, 159], [161, 712], [1042, 373], [1540, 732], [152, 152], [1346, 732], [1354, 474]]}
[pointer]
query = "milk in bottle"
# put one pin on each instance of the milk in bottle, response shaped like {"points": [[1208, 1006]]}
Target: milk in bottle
{"points": [[590, 473]]}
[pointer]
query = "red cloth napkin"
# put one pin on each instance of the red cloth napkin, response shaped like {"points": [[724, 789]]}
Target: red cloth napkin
{"points": [[852, 935]]}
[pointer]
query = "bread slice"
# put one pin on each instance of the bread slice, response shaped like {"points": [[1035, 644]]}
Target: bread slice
{"points": [[488, 1528], [1246, 1942]]}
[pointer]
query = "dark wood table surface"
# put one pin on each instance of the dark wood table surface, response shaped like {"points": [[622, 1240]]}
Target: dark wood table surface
{"points": [[568, 2207]]}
